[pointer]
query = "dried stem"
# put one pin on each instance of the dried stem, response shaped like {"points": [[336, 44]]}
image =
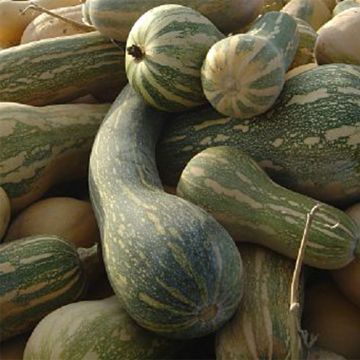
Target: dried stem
{"points": [[34, 6], [294, 292]]}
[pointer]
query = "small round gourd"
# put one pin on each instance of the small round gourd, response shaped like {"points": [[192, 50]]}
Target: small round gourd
{"points": [[165, 50], [338, 39], [243, 75]]}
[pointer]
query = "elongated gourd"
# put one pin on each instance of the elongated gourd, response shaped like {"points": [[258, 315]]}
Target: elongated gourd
{"points": [[60, 69], [164, 53], [308, 142], [46, 26], [114, 18], [338, 41], [13, 19], [347, 279], [243, 75], [69, 218], [262, 327], [5, 212], [314, 12], [102, 330], [179, 276], [57, 150], [37, 275], [239, 194]]}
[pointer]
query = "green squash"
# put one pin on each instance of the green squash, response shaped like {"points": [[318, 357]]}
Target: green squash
{"points": [[176, 270], [239, 194], [95, 330], [165, 50], [243, 74], [308, 142]]}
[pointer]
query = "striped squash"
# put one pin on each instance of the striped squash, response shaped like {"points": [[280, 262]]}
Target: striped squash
{"points": [[37, 275], [5, 211], [114, 18], [305, 51], [344, 5], [60, 69], [338, 41], [239, 194], [243, 74], [102, 330], [308, 142], [176, 270], [57, 150], [165, 50], [314, 12], [262, 327], [347, 279]]}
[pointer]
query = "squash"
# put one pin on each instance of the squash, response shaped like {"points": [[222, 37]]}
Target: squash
{"points": [[60, 69], [262, 327], [165, 50], [335, 320], [5, 212], [37, 275], [308, 142], [102, 330], [347, 279], [305, 51], [13, 349], [176, 270], [57, 150], [238, 193], [314, 12], [13, 19], [114, 18], [338, 41], [344, 5], [243, 74], [46, 26], [66, 217]]}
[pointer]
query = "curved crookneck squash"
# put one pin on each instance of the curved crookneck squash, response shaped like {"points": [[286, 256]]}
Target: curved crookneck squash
{"points": [[39, 274], [60, 69], [242, 75], [102, 330], [240, 195], [176, 270], [308, 142], [262, 327], [57, 150]]}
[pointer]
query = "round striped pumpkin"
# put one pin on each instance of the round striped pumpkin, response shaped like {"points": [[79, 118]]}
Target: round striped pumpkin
{"points": [[165, 51]]}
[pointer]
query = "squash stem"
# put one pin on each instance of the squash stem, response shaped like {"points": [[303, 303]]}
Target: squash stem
{"points": [[295, 308], [136, 52], [91, 261], [34, 6]]}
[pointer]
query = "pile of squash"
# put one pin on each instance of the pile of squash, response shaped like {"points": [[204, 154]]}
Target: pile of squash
{"points": [[179, 180]]}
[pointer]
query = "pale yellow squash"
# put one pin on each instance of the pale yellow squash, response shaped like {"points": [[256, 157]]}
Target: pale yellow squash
{"points": [[13, 19], [46, 26], [68, 218]]}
